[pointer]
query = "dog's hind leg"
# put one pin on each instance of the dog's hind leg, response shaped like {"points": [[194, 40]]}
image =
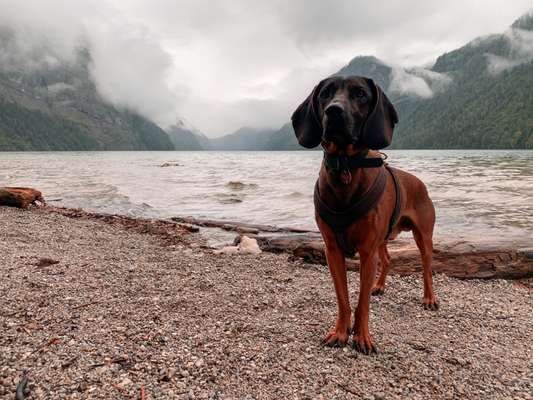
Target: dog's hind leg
{"points": [[424, 242], [384, 260]]}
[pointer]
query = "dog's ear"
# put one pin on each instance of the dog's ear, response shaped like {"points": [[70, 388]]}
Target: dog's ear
{"points": [[379, 126], [306, 121]]}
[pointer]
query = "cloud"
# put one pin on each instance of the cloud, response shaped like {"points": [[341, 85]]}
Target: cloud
{"points": [[228, 63], [131, 69], [405, 83], [497, 64], [19, 50], [129, 66], [520, 51]]}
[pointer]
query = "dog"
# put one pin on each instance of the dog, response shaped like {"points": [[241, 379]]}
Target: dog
{"points": [[360, 203]]}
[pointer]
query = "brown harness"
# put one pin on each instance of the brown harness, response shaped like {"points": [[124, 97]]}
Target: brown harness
{"points": [[340, 220]]}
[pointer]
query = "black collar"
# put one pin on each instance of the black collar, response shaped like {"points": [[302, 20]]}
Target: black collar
{"points": [[339, 163]]}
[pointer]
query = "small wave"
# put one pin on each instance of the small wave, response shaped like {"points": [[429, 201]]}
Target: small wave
{"points": [[230, 200], [294, 195], [225, 198], [238, 185], [170, 164]]}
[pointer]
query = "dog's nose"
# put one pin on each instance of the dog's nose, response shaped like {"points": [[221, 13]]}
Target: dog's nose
{"points": [[334, 110]]}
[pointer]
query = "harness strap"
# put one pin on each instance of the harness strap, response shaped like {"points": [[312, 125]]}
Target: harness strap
{"points": [[342, 162], [340, 220], [397, 204]]}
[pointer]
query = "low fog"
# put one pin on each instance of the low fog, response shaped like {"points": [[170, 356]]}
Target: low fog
{"points": [[226, 64], [521, 45]]}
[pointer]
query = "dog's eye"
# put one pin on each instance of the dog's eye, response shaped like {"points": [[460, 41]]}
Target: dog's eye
{"points": [[359, 94], [325, 93]]}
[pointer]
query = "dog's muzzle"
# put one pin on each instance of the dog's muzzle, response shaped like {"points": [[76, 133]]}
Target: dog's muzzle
{"points": [[337, 125]]}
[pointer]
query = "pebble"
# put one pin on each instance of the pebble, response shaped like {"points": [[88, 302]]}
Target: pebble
{"points": [[199, 363]]}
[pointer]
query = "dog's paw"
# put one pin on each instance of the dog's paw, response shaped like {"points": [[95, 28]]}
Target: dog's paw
{"points": [[364, 344], [430, 303], [336, 338]]}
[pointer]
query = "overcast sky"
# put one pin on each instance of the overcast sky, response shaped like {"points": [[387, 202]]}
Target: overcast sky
{"points": [[226, 64]]}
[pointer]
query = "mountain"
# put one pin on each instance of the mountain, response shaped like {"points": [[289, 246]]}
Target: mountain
{"points": [[47, 104], [284, 139], [368, 66], [245, 138], [524, 22], [489, 104], [184, 137], [477, 96]]}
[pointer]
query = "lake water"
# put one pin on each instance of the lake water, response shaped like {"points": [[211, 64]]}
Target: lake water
{"points": [[480, 196]]}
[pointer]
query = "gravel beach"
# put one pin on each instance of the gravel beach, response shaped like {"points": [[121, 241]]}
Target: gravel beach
{"points": [[93, 309]]}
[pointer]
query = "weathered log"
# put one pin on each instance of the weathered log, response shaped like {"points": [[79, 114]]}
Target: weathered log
{"points": [[240, 227], [458, 260], [451, 260], [20, 197]]}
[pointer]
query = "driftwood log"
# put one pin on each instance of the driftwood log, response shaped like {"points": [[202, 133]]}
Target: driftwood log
{"points": [[452, 260], [20, 197], [239, 227], [456, 260]]}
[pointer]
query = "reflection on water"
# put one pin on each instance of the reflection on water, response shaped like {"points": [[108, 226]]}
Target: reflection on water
{"points": [[479, 195]]}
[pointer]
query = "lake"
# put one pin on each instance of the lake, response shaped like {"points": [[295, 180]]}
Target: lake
{"points": [[480, 195]]}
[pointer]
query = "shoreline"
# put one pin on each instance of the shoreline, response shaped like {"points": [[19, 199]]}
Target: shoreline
{"points": [[98, 306], [459, 259]]}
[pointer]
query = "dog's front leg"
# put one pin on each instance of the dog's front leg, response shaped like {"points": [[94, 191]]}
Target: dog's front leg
{"points": [[362, 341], [337, 336]]}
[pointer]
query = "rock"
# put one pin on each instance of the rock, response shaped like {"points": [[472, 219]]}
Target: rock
{"points": [[167, 374], [246, 246], [249, 246], [199, 363], [46, 262], [125, 383]]}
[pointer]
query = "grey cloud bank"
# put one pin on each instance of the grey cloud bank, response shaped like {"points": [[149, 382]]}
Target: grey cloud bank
{"points": [[227, 64]]}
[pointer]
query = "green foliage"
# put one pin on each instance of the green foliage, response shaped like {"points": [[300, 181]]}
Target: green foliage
{"points": [[24, 129], [479, 110], [58, 108], [149, 136]]}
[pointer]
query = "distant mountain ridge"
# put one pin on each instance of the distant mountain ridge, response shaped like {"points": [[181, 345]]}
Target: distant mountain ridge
{"points": [[245, 138], [185, 137]]}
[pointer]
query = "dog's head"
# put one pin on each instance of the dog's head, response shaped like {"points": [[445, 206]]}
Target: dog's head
{"points": [[352, 110]]}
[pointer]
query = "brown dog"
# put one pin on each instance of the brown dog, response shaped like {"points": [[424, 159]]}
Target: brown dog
{"points": [[359, 203]]}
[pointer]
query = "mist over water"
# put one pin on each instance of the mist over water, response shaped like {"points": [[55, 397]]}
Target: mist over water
{"points": [[480, 196]]}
